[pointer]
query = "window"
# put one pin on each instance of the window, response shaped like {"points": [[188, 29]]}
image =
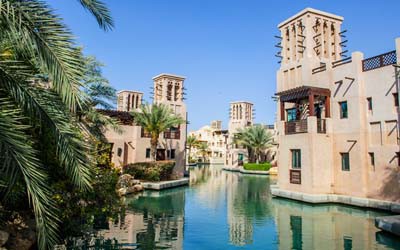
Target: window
{"points": [[398, 158], [369, 101], [396, 99], [345, 161], [343, 110], [168, 154], [172, 154], [296, 158], [147, 153], [119, 152], [291, 115], [372, 158]]}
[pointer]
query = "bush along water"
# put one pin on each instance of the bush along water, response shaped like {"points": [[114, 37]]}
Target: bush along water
{"points": [[151, 171]]}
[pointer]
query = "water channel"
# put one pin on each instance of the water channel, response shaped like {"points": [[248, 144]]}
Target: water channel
{"points": [[224, 210]]}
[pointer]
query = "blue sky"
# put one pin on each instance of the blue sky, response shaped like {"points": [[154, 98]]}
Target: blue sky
{"points": [[225, 48]]}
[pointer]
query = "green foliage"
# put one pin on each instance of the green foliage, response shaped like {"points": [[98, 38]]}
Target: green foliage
{"points": [[38, 119], [257, 167], [155, 119], [150, 171], [203, 149], [254, 138]]}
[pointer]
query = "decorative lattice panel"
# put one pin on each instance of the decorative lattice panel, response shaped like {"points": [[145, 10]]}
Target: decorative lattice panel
{"points": [[380, 61]]}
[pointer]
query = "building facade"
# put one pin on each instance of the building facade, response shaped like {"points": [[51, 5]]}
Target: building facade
{"points": [[338, 114], [133, 144], [216, 139], [240, 116]]}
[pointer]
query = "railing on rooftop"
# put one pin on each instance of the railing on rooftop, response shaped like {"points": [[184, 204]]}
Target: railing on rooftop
{"points": [[379, 61]]}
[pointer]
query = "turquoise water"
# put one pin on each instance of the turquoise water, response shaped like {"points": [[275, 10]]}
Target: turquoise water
{"points": [[224, 210]]}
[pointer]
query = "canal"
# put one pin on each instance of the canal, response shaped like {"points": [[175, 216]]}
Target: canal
{"points": [[224, 210]]}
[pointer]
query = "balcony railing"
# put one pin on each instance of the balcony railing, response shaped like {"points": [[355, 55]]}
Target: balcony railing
{"points": [[172, 135], [321, 126], [379, 61], [296, 127], [145, 134]]}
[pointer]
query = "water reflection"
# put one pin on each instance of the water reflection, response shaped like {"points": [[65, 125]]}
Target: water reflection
{"points": [[304, 226], [152, 220], [224, 210]]}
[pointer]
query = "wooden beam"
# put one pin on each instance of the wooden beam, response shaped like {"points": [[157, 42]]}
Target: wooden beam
{"points": [[328, 106], [282, 110], [311, 104]]}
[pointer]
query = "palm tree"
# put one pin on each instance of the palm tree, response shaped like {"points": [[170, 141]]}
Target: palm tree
{"points": [[100, 95], [155, 119], [191, 142], [255, 138], [204, 150], [34, 42]]}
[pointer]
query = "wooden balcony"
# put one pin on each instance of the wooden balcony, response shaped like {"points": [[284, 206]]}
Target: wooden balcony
{"points": [[144, 133], [301, 126], [296, 127], [172, 134]]}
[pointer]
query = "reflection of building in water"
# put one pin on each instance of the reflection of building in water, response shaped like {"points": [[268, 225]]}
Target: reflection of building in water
{"points": [[302, 226], [210, 183], [240, 227], [151, 221]]}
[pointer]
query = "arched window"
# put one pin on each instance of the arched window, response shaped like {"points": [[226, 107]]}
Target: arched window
{"points": [[129, 102]]}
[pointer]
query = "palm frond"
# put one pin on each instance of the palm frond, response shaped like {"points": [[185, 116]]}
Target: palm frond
{"points": [[34, 25], [17, 157], [46, 107], [100, 12]]}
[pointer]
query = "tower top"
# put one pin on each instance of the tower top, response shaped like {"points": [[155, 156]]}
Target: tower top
{"points": [[311, 11], [166, 75]]}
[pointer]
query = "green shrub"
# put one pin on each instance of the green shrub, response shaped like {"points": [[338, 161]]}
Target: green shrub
{"points": [[150, 171], [259, 167]]}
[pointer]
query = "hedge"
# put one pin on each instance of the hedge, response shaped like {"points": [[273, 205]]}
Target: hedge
{"points": [[258, 167], [150, 171]]}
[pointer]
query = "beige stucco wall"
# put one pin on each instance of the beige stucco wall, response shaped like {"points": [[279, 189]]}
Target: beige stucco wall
{"points": [[362, 132]]}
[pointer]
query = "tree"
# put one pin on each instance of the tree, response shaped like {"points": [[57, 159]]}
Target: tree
{"points": [[35, 42], [101, 95], [204, 150], [191, 142], [255, 138], [155, 119]]}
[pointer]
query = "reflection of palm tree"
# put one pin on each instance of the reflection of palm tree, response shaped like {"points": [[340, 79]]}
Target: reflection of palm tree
{"points": [[249, 202]]}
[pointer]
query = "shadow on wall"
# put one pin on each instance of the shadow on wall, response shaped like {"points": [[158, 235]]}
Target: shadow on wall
{"points": [[391, 184]]}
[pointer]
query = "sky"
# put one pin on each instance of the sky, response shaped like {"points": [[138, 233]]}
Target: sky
{"points": [[224, 48]]}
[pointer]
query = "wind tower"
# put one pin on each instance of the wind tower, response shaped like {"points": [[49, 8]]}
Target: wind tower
{"points": [[169, 90], [309, 40], [240, 116], [129, 100]]}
